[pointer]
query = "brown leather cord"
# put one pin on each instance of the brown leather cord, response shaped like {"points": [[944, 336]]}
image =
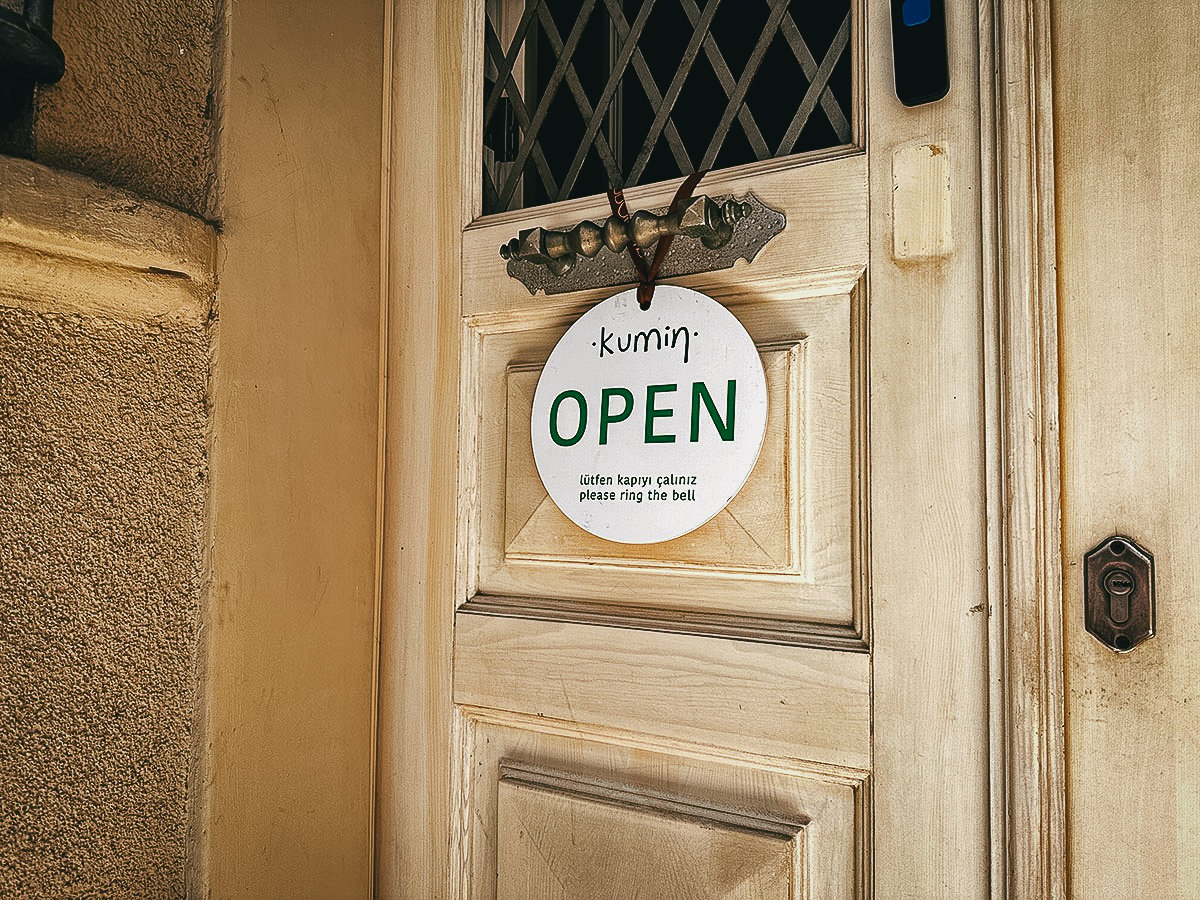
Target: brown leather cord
{"points": [[647, 273]]}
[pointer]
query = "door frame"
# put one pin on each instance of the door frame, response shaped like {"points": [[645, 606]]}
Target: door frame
{"points": [[424, 212], [1028, 742]]}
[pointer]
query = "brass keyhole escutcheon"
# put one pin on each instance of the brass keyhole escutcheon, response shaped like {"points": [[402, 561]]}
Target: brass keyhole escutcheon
{"points": [[1118, 584], [1119, 593]]}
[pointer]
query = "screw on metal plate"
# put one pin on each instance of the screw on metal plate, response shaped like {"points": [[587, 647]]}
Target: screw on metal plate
{"points": [[1118, 603], [589, 255]]}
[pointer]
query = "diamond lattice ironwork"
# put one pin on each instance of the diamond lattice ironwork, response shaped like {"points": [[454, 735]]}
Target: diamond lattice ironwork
{"points": [[581, 95]]}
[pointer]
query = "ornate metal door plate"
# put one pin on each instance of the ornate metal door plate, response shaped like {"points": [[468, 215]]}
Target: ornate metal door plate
{"points": [[713, 233]]}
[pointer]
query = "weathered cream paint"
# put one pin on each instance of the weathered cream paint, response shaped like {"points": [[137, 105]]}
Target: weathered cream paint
{"points": [[296, 389], [1127, 170]]}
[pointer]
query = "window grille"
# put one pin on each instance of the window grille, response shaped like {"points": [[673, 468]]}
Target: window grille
{"points": [[581, 95]]}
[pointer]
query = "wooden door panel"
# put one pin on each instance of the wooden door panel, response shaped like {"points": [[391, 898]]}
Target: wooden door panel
{"points": [[604, 698], [691, 718], [759, 530], [797, 703], [784, 547], [555, 812], [824, 197]]}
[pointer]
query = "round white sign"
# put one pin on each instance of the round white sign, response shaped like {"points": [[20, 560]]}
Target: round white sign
{"points": [[646, 423]]}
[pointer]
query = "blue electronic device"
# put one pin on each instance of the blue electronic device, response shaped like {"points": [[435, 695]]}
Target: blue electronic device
{"points": [[919, 54]]}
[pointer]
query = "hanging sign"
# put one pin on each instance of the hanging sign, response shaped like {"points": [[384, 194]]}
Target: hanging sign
{"points": [[646, 423]]}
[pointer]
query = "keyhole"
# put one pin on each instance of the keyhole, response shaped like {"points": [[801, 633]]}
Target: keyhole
{"points": [[1118, 584]]}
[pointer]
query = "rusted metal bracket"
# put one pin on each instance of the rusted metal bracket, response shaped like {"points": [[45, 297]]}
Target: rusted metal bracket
{"points": [[713, 233]]}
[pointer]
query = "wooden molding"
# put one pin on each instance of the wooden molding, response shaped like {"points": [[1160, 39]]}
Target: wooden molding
{"points": [[1027, 719], [762, 629], [416, 719], [621, 795]]}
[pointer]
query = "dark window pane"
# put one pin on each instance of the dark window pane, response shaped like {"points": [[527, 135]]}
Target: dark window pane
{"points": [[576, 112]]}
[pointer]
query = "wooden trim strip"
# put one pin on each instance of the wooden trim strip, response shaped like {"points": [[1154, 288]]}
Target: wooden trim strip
{"points": [[761, 629], [1028, 739], [387, 163], [416, 719], [794, 703], [611, 792]]}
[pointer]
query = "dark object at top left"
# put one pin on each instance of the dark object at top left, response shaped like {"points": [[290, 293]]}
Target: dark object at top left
{"points": [[28, 55]]}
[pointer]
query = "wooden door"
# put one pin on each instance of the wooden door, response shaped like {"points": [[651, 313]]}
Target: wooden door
{"points": [[791, 701]]}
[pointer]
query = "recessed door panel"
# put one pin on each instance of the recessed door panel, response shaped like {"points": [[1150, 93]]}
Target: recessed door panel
{"points": [[783, 548], [558, 813]]}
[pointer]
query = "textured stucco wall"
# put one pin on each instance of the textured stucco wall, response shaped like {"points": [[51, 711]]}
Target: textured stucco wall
{"points": [[103, 481], [136, 106], [159, 739]]}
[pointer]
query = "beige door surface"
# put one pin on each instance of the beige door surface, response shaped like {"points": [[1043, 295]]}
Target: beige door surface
{"points": [[791, 701], [1127, 173]]}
